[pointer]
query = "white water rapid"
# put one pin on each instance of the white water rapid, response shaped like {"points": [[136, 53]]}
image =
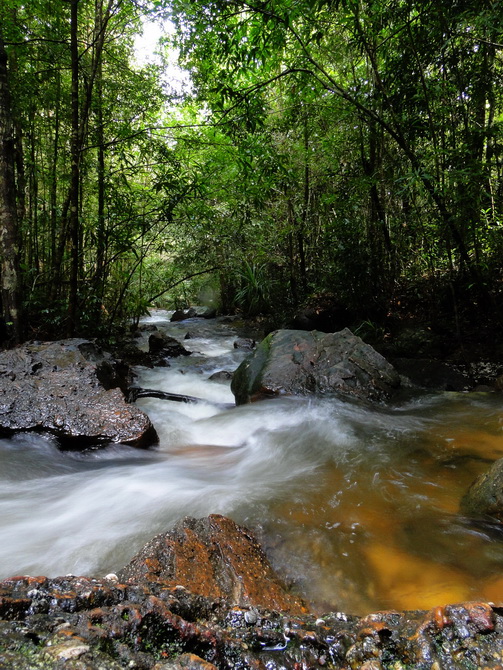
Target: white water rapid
{"points": [[355, 507]]}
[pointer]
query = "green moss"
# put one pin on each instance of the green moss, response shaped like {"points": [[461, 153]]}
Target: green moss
{"points": [[246, 380], [25, 657]]}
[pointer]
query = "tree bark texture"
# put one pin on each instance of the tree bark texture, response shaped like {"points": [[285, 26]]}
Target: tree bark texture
{"points": [[75, 174], [9, 245]]}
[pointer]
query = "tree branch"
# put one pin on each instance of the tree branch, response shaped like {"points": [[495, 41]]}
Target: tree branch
{"points": [[180, 281]]}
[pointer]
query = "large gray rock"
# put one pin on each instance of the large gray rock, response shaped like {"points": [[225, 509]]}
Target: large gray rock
{"points": [[71, 389], [485, 495], [298, 363]]}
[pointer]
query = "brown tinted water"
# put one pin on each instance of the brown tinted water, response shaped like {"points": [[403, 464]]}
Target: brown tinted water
{"points": [[389, 535], [356, 505]]}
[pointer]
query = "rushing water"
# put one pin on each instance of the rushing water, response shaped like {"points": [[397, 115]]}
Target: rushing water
{"points": [[356, 507]]}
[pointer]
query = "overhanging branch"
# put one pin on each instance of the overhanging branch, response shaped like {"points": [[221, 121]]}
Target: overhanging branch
{"points": [[180, 281]]}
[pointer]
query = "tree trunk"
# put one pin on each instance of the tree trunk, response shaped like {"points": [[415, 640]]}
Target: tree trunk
{"points": [[99, 277], [75, 174], [8, 206], [54, 187]]}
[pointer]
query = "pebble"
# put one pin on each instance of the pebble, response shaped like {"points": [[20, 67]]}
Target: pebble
{"points": [[251, 617], [67, 652]]}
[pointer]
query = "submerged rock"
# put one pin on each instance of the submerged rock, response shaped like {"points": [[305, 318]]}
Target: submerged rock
{"points": [[149, 622], [246, 343], [221, 376], [485, 495], [298, 362], [72, 390]]}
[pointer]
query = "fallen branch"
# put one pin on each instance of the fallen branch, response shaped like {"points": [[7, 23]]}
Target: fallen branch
{"points": [[135, 392]]}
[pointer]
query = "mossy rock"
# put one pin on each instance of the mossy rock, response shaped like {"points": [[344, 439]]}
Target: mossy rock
{"points": [[296, 362], [485, 495]]}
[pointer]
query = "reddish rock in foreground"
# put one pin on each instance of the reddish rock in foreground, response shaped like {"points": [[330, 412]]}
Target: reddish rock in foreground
{"points": [[215, 558]]}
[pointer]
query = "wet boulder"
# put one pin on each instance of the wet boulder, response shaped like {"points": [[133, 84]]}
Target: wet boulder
{"points": [[182, 314], [246, 343], [72, 390], [485, 495], [131, 354], [221, 376], [161, 344], [215, 558], [160, 348], [178, 315], [296, 362]]}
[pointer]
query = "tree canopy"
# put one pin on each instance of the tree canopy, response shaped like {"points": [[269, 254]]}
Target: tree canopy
{"points": [[342, 147]]}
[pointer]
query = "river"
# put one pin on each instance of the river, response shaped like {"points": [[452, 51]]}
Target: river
{"points": [[356, 507]]}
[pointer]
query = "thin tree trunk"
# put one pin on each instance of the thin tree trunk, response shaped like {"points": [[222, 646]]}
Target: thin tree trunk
{"points": [[294, 290], [54, 186], [75, 174], [8, 206], [99, 278], [80, 118], [306, 205], [33, 240]]}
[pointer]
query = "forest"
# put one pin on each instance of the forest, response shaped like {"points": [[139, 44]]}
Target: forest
{"points": [[349, 149]]}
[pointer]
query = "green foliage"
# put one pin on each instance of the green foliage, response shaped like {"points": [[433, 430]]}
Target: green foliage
{"points": [[333, 146], [381, 122], [254, 292], [119, 210], [370, 332]]}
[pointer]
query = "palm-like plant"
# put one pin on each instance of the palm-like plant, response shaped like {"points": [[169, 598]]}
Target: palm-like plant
{"points": [[253, 296]]}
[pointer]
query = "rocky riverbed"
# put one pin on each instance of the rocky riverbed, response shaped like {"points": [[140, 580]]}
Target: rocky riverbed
{"points": [[203, 596]]}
